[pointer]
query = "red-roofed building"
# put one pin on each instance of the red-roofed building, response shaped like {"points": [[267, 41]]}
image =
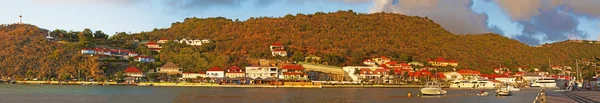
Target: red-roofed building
{"points": [[279, 52], [153, 46], [469, 74], [292, 72], [276, 45], [235, 72], [133, 72], [215, 72]]}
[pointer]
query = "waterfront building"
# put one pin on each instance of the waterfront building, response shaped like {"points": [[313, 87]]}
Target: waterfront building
{"points": [[133, 73], [235, 72], [469, 74], [215, 72], [170, 68], [194, 75], [359, 73], [292, 72], [261, 72]]}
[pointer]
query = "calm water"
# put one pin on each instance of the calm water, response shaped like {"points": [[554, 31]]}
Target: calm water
{"points": [[132, 94]]}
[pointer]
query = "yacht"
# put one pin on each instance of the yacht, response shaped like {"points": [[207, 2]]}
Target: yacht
{"points": [[484, 84], [475, 84], [432, 88], [545, 83]]}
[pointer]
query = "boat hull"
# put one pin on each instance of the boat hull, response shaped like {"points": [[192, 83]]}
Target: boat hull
{"points": [[432, 91]]}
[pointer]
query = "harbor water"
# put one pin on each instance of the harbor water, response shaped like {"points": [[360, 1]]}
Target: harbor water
{"points": [[15, 93]]}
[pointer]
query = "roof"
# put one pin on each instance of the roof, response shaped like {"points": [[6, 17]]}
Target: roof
{"points": [[385, 58], [276, 44], [468, 72], [235, 69], [391, 63], [215, 68], [278, 50], [293, 67], [404, 64], [132, 69], [169, 65], [440, 59], [151, 43]]}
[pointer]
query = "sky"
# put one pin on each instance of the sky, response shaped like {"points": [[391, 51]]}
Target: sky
{"points": [[533, 22]]}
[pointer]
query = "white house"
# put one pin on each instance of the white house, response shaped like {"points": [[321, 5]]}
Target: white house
{"points": [[261, 72], [194, 75], [215, 72], [364, 72], [170, 68]]}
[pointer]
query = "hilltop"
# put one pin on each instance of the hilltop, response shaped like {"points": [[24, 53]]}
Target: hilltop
{"points": [[346, 38]]}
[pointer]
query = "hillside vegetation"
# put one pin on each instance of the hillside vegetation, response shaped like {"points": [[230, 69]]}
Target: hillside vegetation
{"points": [[341, 38]]}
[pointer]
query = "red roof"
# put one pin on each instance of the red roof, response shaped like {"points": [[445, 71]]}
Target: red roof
{"points": [[132, 69], [276, 44], [468, 72], [440, 75], [235, 69], [215, 68], [154, 48], [429, 60], [440, 59], [404, 64], [391, 63], [293, 67], [385, 58], [151, 43], [453, 61]]}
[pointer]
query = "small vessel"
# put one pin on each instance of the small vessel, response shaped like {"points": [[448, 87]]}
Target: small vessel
{"points": [[512, 88], [482, 93], [432, 88], [474, 84], [503, 90]]}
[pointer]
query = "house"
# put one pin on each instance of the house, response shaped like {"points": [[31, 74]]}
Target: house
{"points": [[442, 62], [144, 59], [87, 51], [382, 60], [292, 72], [194, 75], [415, 63], [170, 68], [162, 40], [276, 45], [134, 74], [235, 72], [261, 72], [556, 67], [153, 46], [205, 41], [279, 52], [359, 73], [215, 72], [369, 62], [469, 74], [312, 58]]}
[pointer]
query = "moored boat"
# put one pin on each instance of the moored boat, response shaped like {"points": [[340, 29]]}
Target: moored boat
{"points": [[432, 88]]}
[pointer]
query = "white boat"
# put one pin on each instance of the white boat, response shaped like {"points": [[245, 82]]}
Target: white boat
{"points": [[512, 88], [545, 83], [483, 94], [432, 88], [475, 84], [463, 84], [503, 90]]}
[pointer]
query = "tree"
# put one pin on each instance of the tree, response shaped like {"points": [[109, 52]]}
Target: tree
{"points": [[298, 56], [100, 34], [120, 75], [29, 74]]}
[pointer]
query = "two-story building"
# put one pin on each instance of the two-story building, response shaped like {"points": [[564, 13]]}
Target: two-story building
{"points": [[170, 68], [194, 75], [292, 72], [133, 74], [261, 72], [235, 72], [153, 46], [277, 49], [215, 72]]}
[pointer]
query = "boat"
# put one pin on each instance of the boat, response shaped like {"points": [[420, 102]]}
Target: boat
{"points": [[545, 82], [475, 84], [482, 93], [432, 88], [503, 90], [512, 88]]}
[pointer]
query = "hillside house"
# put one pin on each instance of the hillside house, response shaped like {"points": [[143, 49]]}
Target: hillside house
{"points": [[143, 59], [279, 52], [162, 40], [441, 62], [153, 46], [87, 51], [369, 62], [415, 63], [382, 60]]}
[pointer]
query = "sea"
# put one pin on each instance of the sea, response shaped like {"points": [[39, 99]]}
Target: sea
{"points": [[18, 93]]}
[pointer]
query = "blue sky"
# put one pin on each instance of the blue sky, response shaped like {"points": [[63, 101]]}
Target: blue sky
{"points": [[527, 21]]}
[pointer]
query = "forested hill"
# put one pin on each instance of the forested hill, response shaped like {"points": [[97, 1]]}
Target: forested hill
{"points": [[26, 53], [347, 38]]}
